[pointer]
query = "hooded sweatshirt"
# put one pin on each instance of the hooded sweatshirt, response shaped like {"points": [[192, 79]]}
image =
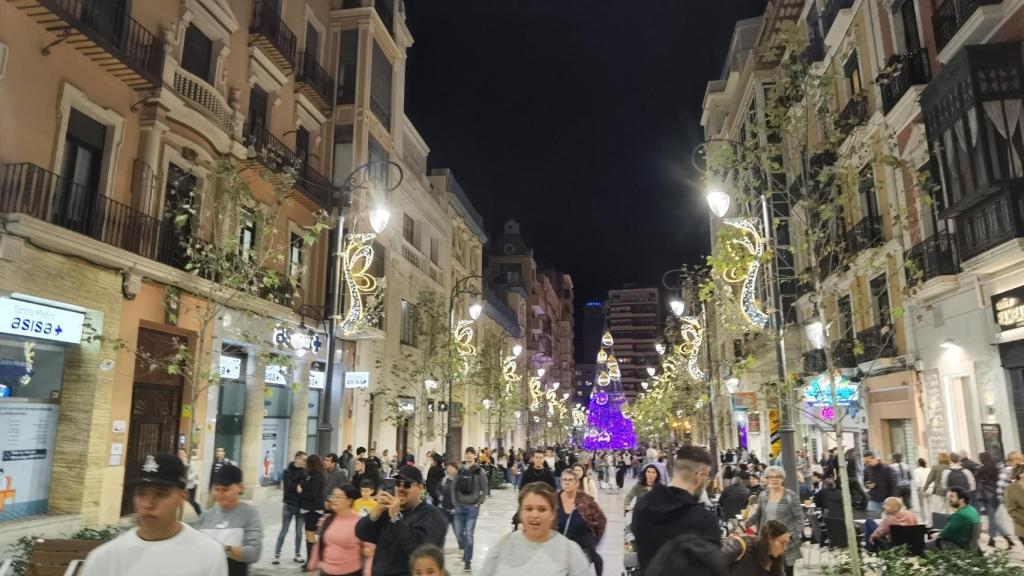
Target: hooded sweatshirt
{"points": [[666, 512]]}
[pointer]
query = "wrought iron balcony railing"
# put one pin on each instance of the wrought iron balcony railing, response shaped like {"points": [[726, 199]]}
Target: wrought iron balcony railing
{"points": [[272, 35], [313, 81], [877, 342], [934, 256], [831, 11], [106, 33], [865, 234], [951, 16], [854, 114], [901, 72]]}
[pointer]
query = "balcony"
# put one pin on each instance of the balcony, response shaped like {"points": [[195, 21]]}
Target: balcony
{"points": [[831, 11], [976, 157], [878, 342], [931, 258], [901, 72], [842, 354], [865, 234], [951, 16], [815, 51], [854, 114], [314, 82], [28, 189], [106, 34], [277, 156], [206, 99], [814, 362], [270, 34], [998, 219]]}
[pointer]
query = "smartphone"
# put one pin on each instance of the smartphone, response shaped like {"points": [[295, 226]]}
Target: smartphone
{"points": [[388, 485]]}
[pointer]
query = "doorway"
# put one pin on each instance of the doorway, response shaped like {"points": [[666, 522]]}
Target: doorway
{"points": [[156, 408]]}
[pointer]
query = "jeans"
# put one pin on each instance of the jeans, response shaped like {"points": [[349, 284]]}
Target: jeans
{"points": [[465, 524], [991, 511], [874, 506], [287, 513], [192, 501]]}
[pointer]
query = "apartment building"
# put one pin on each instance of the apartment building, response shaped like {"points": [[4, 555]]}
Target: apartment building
{"points": [[109, 117], [633, 315], [932, 85]]}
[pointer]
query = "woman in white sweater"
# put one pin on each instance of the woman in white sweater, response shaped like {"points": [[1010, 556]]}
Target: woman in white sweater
{"points": [[537, 549], [586, 479]]}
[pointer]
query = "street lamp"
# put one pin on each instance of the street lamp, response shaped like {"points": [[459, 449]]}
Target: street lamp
{"points": [[677, 307], [362, 178], [718, 203], [462, 286]]}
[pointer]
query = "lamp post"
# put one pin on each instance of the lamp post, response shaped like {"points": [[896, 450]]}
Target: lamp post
{"points": [[718, 203], [462, 286], [362, 178]]}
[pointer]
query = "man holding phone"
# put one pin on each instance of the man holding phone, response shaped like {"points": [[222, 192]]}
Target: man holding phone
{"points": [[401, 523]]}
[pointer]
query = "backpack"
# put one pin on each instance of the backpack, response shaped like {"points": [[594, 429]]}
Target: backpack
{"points": [[465, 483], [957, 478]]}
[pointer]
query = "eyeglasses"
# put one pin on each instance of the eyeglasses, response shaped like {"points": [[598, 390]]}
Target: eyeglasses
{"points": [[403, 484], [773, 477]]}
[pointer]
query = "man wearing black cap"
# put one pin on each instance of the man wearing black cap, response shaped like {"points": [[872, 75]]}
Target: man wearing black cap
{"points": [[160, 545], [233, 523], [401, 523]]}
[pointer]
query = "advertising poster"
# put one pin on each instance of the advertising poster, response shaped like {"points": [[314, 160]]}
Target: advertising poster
{"points": [[29, 430], [273, 457]]}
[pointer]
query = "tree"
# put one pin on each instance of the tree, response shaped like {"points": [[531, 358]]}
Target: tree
{"points": [[229, 277], [496, 387], [809, 161]]}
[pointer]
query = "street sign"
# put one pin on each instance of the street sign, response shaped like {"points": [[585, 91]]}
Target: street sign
{"points": [[42, 322]]}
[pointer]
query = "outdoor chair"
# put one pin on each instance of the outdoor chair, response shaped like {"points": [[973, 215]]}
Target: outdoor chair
{"points": [[910, 536]]}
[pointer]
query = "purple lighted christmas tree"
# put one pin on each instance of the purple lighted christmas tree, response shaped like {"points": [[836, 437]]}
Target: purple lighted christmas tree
{"points": [[607, 428]]}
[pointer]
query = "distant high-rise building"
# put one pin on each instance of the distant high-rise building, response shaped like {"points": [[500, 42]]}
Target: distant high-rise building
{"points": [[632, 317], [593, 327]]}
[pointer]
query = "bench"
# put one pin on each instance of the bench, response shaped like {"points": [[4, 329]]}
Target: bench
{"points": [[55, 557]]}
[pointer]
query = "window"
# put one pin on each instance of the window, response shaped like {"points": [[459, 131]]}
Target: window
{"points": [[511, 273], [312, 42], [342, 153], [380, 87], [851, 70], [435, 249], [258, 107], [1003, 131], [407, 333], [80, 173], [246, 234], [295, 248], [880, 299], [347, 65], [302, 144], [409, 229], [197, 55], [846, 328], [380, 172], [908, 22], [3, 60]]}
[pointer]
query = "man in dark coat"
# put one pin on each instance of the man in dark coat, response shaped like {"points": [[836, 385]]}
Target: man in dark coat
{"points": [[538, 471], [669, 511]]}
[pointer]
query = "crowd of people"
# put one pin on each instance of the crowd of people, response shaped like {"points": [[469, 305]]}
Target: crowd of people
{"points": [[357, 514]]}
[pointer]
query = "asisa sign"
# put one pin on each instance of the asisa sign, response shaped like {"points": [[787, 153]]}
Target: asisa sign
{"points": [[33, 320]]}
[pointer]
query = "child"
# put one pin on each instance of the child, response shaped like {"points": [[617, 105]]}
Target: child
{"points": [[366, 503], [427, 560]]}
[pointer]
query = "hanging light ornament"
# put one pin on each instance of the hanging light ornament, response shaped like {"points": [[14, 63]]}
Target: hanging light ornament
{"points": [[606, 340], [753, 244], [535, 393], [693, 336], [603, 379], [601, 397], [463, 336], [660, 348], [602, 356], [356, 260]]}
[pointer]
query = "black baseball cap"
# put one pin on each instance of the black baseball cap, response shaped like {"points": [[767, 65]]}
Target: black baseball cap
{"points": [[227, 475], [163, 469], [410, 474]]}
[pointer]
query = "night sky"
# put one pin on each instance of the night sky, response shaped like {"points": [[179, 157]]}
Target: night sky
{"points": [[577, 118]]}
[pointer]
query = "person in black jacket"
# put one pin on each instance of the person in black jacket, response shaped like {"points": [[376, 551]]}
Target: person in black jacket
{"points": [[670, 511], [434, 477], [537, 472], [733, 499], [829, 499], [293, 475], [401, 523], [311, 498], [880, 480]]}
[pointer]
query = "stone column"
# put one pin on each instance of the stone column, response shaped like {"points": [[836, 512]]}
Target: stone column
{"points": [[300, 409], [144, 182], [252, 424]]}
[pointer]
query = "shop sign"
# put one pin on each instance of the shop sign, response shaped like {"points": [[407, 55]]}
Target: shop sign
{"points": [[316, 380], [1008, 309], [274, 374], [230, 367], [33, 320], [818, 391], [357, 379]]}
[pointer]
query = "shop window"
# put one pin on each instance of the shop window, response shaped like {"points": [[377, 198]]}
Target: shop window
{"points": [[31, 370], [231, 402]]}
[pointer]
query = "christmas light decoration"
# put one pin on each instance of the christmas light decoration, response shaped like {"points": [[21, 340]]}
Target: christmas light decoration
{"points": [[508, 372], [660, 348], [603, 379], [463, 337], [535, 393], [607, 340], [752, 243], [601, 398], [363, 287], [693, 335], [602, 356]]}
